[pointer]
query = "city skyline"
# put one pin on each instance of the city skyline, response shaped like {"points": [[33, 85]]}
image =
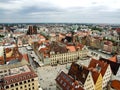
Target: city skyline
{"points": [[69, 11]]}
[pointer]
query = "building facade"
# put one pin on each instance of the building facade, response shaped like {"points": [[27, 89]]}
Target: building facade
{"points": [[83, 75], [67, 57], [18, 78], [63, 58], [104, 73]]}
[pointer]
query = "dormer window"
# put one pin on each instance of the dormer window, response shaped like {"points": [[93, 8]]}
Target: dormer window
{"points": [[83, 76]]}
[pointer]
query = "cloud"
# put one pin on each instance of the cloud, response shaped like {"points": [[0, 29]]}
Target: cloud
{"points": [[60, 11]]}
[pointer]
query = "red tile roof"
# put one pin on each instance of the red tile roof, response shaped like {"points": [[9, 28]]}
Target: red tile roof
{"points": [[114, 66], [115, 84], [67, 83], [12, 54], [95, 74], [118, 30], [113, 59], [71, 48], [79, 72], [79, 46], [99, 66]]}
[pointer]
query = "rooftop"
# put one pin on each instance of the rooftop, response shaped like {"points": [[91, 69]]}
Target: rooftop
{"points": [[19, 74], [78, 72], [99, 66], [114, 66], [115, 84], [67, 83], [113, 59], [19, 70]]}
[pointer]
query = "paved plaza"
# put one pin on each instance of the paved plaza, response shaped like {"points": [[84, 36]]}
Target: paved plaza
{"points": [[47, 75]]}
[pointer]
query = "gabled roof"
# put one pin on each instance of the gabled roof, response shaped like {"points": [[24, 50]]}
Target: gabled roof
{"points": [[114, 66], [95, 74], [99, 66], [78, 72], [67, 83], [113, 59]]}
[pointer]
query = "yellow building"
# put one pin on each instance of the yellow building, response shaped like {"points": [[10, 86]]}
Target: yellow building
{"points": [[98, 82], [101, 73], [63, 58], [19, 77]]}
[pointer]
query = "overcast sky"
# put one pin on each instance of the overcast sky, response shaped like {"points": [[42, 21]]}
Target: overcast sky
{"points": [[76, 11]]}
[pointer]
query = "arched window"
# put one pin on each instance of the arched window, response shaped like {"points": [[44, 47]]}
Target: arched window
{"points": [[24, 81], [7, 87], [20, 83], [32, 79], [28, 80], [16, 84], [12, 85]]}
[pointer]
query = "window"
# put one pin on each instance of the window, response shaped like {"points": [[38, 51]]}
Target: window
{"points": [[21, 87], [29, 88], [20, 83], [16, 88], [7, 87], [5, 70], [32, 87], [58, 78], [11, 80], [32, 83], [61, 81], [24, 77], [64, 84], [16, 84], [32, 79], [24, 81], [28, 80], [25, 86], [28, 76], [29, 85], [1, 71], [12, 85]]}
